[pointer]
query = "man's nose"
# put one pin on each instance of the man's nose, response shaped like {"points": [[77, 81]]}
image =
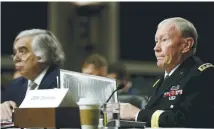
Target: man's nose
{"points": [[16, 58], [157, 47]]}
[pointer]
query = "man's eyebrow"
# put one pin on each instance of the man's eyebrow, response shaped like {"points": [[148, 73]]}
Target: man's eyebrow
{"points": [[158, 37], [22, 47], [19, 48]]}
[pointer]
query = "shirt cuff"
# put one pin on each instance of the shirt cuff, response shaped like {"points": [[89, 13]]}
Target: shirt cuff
{"points": [[136, 116]]}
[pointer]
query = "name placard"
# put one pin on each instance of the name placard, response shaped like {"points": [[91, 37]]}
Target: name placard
{"points": [[48, 98]]}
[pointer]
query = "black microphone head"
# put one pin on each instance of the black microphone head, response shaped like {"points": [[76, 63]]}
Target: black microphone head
{"points": [[120, 86]]}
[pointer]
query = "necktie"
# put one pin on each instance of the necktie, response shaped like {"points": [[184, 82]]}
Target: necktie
{"points": [[161, 87], [166, 77], [32, 86]]}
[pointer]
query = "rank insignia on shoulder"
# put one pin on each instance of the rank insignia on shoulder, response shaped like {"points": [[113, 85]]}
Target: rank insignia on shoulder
{"points": [[156, 83], [205, 66]]}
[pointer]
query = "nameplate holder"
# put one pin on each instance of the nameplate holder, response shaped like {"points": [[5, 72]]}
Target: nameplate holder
{"points": [[48, 108], [48, 98]]}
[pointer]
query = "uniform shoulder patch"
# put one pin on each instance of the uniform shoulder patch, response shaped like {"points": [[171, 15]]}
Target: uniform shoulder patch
{"points": [[156, 83], [205, 66]]}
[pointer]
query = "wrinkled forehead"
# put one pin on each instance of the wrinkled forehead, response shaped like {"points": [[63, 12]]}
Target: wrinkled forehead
{"points": [[22, 42], [166, 29]]}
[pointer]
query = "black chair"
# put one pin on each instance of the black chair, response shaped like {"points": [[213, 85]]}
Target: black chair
{"points": [[138, 101]]}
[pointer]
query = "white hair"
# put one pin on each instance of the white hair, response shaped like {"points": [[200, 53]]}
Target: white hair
{"points": [[44, 45], [186, 28]]}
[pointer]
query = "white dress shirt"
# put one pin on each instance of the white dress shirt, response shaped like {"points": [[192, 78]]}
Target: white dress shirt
{"points": [[38, 79]]}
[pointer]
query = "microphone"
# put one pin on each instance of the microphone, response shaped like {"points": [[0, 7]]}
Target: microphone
{"points": [[104, 115], [119, 87]]}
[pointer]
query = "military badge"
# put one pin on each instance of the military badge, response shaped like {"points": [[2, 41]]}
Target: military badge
{"points": [[175, 87], [174, 91], [172, 97]]}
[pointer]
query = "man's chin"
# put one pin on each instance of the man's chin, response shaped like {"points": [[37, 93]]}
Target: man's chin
{"points": [[23, 73], [160, 64]]}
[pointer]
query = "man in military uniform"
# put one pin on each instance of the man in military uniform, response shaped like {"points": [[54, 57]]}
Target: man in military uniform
{"points": [[183, 97]]}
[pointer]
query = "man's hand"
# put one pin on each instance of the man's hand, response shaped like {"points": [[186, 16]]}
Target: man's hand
{"points": [[7, 109], [128, 111]]}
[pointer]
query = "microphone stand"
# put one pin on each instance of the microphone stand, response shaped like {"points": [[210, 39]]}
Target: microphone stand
{"points": [[104, 114]]}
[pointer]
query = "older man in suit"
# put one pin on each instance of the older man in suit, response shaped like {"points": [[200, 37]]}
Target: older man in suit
{"points": [[183, 97], [37, 57]]}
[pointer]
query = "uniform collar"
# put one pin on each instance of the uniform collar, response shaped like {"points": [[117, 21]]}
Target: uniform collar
{"points": [[171, 72]]}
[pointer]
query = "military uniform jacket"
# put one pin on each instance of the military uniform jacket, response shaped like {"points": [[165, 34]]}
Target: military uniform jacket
{"points": [[185, 99]]}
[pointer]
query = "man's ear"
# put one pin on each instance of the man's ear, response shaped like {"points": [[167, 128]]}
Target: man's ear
{"points": [[38, 58], [188, 44]]}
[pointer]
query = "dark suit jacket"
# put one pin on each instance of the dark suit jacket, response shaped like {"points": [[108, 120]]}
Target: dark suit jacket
{"points": [[16, 91], [192, 105]]}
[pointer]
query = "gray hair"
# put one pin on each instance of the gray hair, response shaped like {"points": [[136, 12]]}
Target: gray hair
{"points": [[44, 45], [186, 28]]}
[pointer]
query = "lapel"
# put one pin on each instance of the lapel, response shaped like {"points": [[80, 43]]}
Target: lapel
{"points": [[23, 91], [24, 85], [49, 81], [163, 86], [154, 97], [19, 89]]}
